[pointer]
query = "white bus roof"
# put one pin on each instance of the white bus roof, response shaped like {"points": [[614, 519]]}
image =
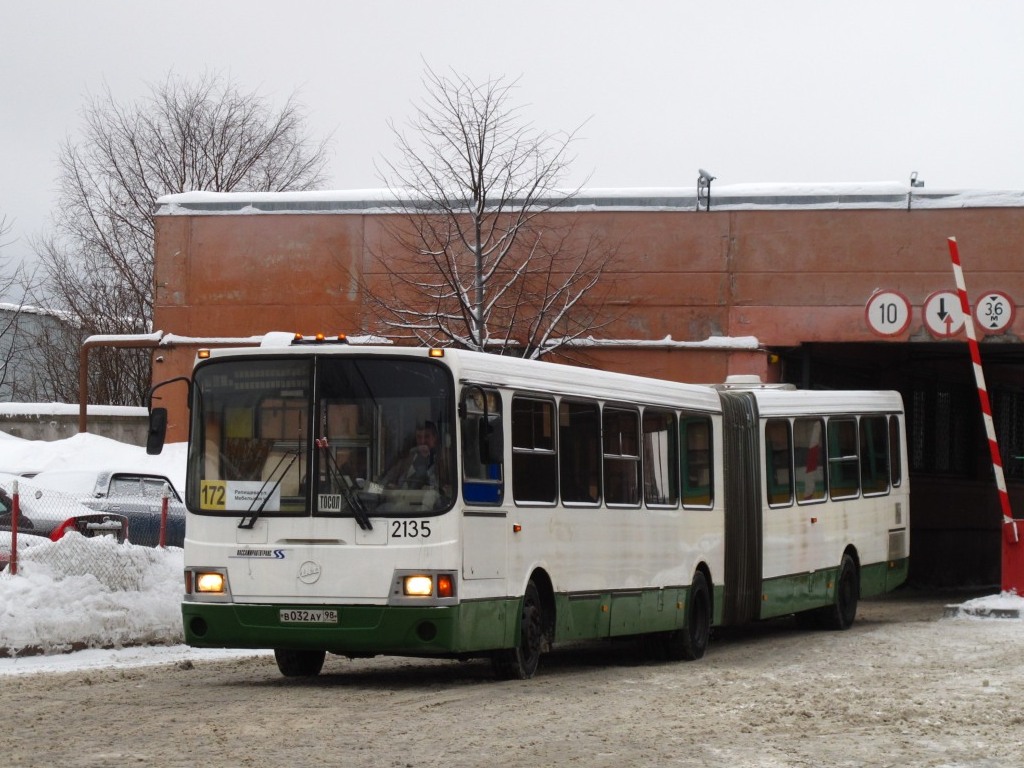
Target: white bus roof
{"points": [[791, 402], [553, 378], [543, 377], [526, 375]]}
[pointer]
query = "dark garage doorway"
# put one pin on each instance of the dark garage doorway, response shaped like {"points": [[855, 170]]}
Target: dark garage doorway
{"points": [[955, 513]]}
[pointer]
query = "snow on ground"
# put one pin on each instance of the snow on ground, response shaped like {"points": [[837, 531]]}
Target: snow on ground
{"points": [[132, 617]]}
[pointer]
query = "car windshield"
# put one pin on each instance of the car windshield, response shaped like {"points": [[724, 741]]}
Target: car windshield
{"points": [[332, 436], [148, 486]]}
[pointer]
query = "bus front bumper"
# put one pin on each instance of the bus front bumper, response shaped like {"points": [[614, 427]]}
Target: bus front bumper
{"points": [[356, 630]]}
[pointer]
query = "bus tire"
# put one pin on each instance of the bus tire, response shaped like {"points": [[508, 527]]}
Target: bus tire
{"points": [[690, 642], [840, 615], [299, 663], [520, 663]]}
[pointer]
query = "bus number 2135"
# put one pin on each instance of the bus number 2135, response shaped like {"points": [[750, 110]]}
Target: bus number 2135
{"points": [[410, 529]]}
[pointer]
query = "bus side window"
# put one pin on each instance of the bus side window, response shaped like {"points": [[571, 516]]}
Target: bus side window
{"points": [[809, 457], [579, 456], [895, 452], [660, 458], [621, 453], [778, 462], [534, 461], [874, 455], [843, 462], [695, 432], [482, 477]]}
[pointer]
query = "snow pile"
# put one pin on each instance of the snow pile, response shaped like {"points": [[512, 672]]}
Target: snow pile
{"points": [[1008, 605], [91, 593], [88, 451]]}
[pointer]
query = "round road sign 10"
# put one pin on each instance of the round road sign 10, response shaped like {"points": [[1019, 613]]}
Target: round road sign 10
{"points": [[887, 313]]}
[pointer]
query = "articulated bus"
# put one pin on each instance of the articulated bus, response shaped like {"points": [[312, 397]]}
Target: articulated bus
{"points": [[363, 500]]}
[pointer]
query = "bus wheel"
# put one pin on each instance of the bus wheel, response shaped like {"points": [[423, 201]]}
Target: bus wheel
{"points": [[840, 615], [690, 642], [520, 663], [299, 663]]}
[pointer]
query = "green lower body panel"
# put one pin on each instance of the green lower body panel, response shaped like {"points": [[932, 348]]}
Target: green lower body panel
{"points": [[806, 591], [883, 577], [449, 630], [616, 614]]}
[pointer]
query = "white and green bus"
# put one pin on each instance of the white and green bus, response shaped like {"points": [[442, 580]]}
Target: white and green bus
{"points": [[362, 500]]}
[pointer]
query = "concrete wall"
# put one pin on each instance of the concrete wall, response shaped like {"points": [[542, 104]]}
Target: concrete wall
{"points": [[47, 423]]}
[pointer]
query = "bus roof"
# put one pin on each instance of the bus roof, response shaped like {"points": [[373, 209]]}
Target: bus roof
{"points": [[793, 402], [525, 375], [556, 379]]}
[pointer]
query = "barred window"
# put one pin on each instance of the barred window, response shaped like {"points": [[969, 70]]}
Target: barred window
{"points": [[941, 437], [1008, 417]]}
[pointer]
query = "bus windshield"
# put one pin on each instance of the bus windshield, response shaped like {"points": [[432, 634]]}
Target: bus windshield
{"points": [[321, 435]]}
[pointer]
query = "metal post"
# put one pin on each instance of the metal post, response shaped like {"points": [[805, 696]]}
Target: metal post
{"points": [[704, 180], [163, 518], [15, 514]]}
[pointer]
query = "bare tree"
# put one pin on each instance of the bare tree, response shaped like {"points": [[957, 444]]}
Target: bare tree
{"points": [[186, 136], [15, 350], [475, 262], [10, 314]]}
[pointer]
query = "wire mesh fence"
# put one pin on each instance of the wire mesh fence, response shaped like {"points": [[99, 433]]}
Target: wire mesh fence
{"points": [[111, 563], [34, 520]]}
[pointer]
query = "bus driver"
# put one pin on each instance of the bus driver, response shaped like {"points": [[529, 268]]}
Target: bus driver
{"points": [[418, 469]]}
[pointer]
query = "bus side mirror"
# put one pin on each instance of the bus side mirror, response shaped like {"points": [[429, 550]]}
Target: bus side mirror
{"points": [[492, 441], [157, 431]]}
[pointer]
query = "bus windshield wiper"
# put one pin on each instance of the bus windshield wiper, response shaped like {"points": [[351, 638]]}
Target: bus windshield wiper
{"points": [[345, 484], [249, 519]]}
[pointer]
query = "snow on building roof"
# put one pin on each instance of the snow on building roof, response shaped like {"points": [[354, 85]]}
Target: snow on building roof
{"points": [[868, 195]]}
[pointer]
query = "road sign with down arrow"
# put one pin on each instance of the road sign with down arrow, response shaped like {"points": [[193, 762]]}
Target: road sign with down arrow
{"points": [[942, 314]]}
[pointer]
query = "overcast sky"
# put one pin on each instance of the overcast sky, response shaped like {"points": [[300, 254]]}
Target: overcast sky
{"points": [[755, 92]]}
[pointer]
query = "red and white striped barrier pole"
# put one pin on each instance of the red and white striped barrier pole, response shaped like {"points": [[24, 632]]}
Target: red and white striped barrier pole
{"points": [[1013, 548]]}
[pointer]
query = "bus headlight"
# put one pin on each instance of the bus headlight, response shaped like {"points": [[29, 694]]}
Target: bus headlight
{"points": [[423, 588], [418, 586], [210, 583], [207, 584]]}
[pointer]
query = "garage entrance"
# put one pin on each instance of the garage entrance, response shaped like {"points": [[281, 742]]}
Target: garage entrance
{"points": [[955, 513]]}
